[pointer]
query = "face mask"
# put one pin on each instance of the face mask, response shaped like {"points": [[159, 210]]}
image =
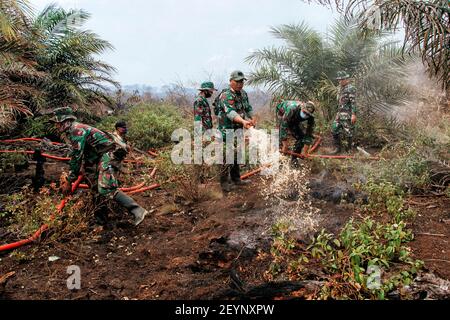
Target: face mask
{"points": [[123, 130], [304, 115]]}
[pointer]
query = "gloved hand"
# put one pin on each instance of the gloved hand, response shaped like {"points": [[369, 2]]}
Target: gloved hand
{"points": [[308, 140], [65, 185]]}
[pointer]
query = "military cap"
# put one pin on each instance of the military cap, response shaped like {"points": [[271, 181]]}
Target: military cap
{"points": [[63, 114]]}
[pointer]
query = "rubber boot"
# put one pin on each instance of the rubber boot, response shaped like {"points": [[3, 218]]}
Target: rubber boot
{"points": [[298, 149], [225, 178], [337, 145], [131, 205], [349, 144], [295, 163], [236, 176], [241, 182]]}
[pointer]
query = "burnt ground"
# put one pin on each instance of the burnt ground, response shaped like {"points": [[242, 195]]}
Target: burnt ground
{"points": [[186, 251]]}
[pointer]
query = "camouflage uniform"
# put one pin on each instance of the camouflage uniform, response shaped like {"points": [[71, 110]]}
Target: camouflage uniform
{"points": [[122, 150], [202, 113], [97, 150], [232, 104], [101, 157], [290, 120], [347, 107]]}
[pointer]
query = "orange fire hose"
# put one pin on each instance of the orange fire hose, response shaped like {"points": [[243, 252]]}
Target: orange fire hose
{"points": [[29, 140], [152, 187], [316, 145]]}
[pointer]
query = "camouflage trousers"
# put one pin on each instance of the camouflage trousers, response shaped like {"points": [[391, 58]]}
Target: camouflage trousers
{"points": [[102, 174], [230, 171], [345, 127]]}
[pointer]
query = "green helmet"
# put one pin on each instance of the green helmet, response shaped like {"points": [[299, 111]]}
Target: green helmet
{"points": [[63, 114], [237, 76], [342, 75], [207, 86]]}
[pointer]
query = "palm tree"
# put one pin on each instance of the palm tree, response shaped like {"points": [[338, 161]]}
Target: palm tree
{"points": [[305, 68], [68, 53], [47, 61], [426, 23], [19, 77]]}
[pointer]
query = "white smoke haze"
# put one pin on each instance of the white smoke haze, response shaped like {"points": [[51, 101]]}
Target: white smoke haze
{"points": [[427, 101]]}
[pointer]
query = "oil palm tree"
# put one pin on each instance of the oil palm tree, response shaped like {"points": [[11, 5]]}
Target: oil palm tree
{"points": [[47, 61], [306, 66], [19, 77], [426, 23], [68, 55]]}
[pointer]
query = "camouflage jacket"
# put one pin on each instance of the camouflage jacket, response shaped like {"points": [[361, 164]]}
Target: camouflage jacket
{"points": [[232, 104], [88, 144], [122, 146], [347, 102], [289, 119], [202, 112]]}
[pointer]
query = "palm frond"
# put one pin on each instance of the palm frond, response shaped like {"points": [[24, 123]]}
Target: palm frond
{"points": [[427, 29]]}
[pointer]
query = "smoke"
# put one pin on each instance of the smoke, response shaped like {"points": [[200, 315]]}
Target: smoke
{"points": [[426, 97]]}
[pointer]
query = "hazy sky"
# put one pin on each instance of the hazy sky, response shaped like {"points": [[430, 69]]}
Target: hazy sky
{"points": [[166, 41]]}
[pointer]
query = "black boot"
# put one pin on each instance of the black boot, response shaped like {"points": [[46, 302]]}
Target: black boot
{"points": [[337, 145], [298, 149], [295, 163], [349, 144], [225, 179], [236, 176], [131, 205], [239, 182]]}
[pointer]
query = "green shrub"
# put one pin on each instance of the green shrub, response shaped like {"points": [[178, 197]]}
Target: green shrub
{"points": [[150, 125], [362, 247], [348, 262], [402, 165], [384, 196], [9, 160]]}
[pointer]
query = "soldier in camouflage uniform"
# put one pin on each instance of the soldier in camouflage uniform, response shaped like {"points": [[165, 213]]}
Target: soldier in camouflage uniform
{"points": [[234, 109], [291, 115], [202, 110], [100, 158], [122, 146], [346, 116]]}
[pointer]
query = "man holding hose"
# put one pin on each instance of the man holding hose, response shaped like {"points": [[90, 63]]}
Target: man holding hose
{"points": [[98, 155], [291, 115], [235, 112]]}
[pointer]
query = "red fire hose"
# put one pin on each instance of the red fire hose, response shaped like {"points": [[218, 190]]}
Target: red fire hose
{"points": [[316, 145], [64, 159], [29, 139], [48, 156], [254, 172], [152, 187]]}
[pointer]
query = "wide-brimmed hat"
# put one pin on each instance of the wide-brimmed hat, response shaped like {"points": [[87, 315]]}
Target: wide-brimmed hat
{"points": [[342, 75], [209, 86]]}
